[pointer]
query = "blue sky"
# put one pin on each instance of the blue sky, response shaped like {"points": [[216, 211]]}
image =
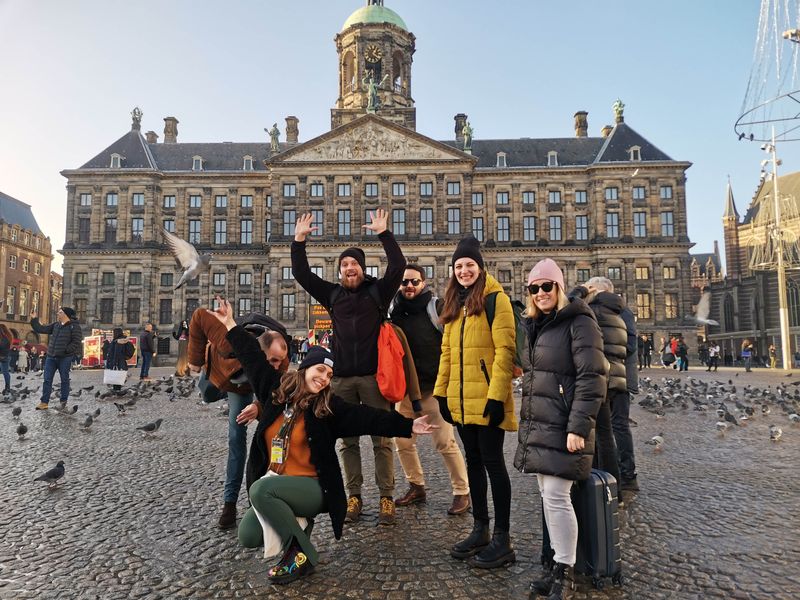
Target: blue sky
{"points": [[72, 72]]}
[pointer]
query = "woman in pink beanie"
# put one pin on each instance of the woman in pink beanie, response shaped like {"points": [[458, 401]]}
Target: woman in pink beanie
{"points": [[564, 384]]}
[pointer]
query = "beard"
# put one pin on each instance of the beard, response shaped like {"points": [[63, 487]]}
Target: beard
{"points": [[352, 283]]}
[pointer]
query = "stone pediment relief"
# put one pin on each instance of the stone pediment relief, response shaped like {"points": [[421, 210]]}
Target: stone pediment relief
{"points": [[372, 141]]}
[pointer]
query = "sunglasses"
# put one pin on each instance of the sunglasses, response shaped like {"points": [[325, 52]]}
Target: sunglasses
{"points": [[546, 287], [414, 282]]}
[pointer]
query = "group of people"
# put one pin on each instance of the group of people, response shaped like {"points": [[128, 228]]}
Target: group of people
{"points": [[21, 358], [579, 366]]}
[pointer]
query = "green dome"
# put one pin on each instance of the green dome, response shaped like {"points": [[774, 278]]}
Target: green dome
{"points": [[374, 14]]}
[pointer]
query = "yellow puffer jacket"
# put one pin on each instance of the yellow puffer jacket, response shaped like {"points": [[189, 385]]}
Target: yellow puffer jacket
{"points": [[473, 339]]}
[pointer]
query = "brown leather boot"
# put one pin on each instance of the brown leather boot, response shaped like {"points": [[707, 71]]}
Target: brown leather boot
{"points": [[460, 505], [227, 519], [414, 495]]}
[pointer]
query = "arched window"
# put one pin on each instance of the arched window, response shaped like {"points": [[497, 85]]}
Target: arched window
{"points": [[793, 295], [349, 84], [398, 74], [727, 311]]}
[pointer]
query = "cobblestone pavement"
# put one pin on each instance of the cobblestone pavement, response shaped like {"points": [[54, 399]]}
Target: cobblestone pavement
{"points": [[136, 517]]}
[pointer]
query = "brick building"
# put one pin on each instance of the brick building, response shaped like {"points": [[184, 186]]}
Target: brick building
{"points": [[612, 204]]}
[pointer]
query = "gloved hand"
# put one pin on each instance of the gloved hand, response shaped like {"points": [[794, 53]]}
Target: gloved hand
{"points": [[495, 411], [444, 410], [416, 406]]}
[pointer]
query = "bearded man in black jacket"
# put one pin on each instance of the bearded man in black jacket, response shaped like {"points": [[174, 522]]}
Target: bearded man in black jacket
{"points": [[357, 313]]}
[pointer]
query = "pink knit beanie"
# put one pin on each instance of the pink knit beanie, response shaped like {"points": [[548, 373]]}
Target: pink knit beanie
{"points": [[546, 270]]}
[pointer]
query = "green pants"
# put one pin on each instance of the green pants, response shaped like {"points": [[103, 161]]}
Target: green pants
{"points": [[280, 500], [364, 390]]}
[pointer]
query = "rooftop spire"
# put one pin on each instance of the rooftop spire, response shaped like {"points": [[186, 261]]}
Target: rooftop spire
{"points": [[730, 205], [374, 2]]}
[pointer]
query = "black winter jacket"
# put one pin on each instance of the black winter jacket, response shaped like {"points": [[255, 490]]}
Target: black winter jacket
{"points": [[5, 348], [346, 420], [564, 384], [147, 342], [119, 351], [356, 319], [631, 372], [607, 308], [424, 339], [65, 340]]}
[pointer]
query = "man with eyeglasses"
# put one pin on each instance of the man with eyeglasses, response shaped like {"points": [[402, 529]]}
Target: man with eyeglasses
{"points": [[210, 352], [415, 310]]}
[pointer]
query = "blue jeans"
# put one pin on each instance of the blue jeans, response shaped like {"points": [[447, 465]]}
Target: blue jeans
{"points": [[4, 364], [237, 446], [51, 365], [147, 358]]}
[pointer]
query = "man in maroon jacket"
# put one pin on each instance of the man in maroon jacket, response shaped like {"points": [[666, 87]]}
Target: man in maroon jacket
{"points": [[357, 312]]}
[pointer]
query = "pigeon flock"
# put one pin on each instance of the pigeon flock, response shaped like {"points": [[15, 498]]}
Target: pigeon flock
{"points": [[27, 389], [732, 406]]}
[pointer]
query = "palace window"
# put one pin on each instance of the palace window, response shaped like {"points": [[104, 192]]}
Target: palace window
{"points": [[639, 192], [107, 278], [86, 199], [581, 228], [344, 190], [669, 272], [218, 279], [169, 225], [503, 229], [554, 197], [195, 201], [169, 202], [286, 273], [197, 164], [134, 310], [477, 198], [582, 275], [245, 278], [135, 278], [399, 221], [246, 233], [246, 201], [667, 224], [137, 200], [368, 220], [195, 229], [245, 306], [501, 160], [640, 224], [615, 273], [529, 229], [453, 188], [528, 197], [318, 221], [167, 279], [580, 197], [612, 225], [502, 197], [635, 153], [287, 307], [26, 265], [289, 190], [247, 163], [84, 230], [555, 228], [112, 199], [111, 230], [671, 306], [642, 273], [552, 158], [644, 307], [665, 192], [116, 159], [398, 189], [370, 190], [612, 193], [426, 189], [454, 221], [477, 228], [343, 222], [426, 221], [289, 218], [317, 190], [137, 229], [106, 310], [220, 232], [12, 261], [81, 279], [220, 201], [165, 311]]}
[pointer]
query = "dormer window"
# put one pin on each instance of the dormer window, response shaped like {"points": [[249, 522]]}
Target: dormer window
{"points": [[248, 163], [501, 160], [115, 161], [197, 163], [552, 158], [635, 153]]}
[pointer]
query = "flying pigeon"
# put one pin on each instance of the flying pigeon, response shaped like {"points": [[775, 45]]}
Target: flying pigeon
{"points": [[150, 428], [53, 475], [700, 316], [22, 429], [187, 258]]}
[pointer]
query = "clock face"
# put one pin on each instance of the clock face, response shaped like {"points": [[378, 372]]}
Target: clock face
{"points": [[373, 53]]}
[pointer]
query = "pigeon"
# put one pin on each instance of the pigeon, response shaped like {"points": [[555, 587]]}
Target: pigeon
{"points": [[22, 429], [53, 475], [96, 413], [657, 441], [722, 427], [794, 418], [88, 422], [120, 409], [16, 412], [150, 428], [187, 257], [700, 316], [775, 433]]}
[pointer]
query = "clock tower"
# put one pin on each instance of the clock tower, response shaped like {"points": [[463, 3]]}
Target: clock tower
{"points": [[375, 52]]}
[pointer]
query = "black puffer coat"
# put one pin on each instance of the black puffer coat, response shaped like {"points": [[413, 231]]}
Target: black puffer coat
{"points": [[564, 384], [608, 307]]}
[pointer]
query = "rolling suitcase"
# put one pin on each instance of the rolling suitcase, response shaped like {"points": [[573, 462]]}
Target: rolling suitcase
{"points": [[597, 511]]}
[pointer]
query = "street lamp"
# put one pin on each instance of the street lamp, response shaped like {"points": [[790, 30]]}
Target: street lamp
{"points": [[777, 235]]}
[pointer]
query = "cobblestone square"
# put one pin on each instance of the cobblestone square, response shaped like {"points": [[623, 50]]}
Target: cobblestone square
{"points": [[136, 517]]}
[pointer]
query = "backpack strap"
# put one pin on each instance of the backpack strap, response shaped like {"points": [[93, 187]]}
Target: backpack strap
{"points": [[490, 306], [373, 292], [434, 314]]}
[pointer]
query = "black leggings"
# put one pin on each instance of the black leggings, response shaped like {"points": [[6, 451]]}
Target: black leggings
{"points": [[483, 446]]}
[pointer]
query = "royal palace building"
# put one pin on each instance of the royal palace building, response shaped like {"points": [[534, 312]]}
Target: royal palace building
{"points": [[612, 205]]}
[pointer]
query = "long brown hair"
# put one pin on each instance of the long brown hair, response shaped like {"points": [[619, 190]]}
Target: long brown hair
{"points": [[474, 302], [293, 385], [6, 332]]}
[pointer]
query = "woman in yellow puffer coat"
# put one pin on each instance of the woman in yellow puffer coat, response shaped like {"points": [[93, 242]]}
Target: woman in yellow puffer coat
{"points": [[473, 388]]}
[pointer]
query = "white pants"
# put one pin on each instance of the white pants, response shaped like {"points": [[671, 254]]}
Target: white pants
{"points": [[559, 515]]}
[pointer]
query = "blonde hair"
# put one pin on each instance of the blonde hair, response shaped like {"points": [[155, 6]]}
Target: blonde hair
{"points": [[532, 311]]}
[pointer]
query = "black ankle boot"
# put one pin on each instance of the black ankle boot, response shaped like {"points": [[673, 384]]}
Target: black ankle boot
{"points": [[497, 554], [541, 586], [561, 589], [474, 542]]}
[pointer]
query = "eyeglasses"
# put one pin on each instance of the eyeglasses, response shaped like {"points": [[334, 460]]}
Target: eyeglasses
{"points": [[546, 287], [414, 282]]}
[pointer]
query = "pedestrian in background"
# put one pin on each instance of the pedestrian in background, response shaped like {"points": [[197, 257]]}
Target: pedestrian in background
{"points": [[647, 351], [564, 384], [682, 354], [22, 360], [181, 333], [120, 350], [713, 356], [147, 349], [5, 356], [415, 310], [773, 356], [473, 388], [66, 342], [747, 354]]}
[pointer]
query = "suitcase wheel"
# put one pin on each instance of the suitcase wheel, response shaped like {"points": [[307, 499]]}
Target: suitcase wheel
{"points": [[598, 583], [618, 579]]}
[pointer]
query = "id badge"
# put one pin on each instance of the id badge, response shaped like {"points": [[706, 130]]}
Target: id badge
{"points": [[276, 455]]}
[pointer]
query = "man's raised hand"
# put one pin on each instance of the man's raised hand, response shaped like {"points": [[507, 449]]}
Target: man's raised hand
{"points": [[378, 221], [303, 227], [224, 313]]}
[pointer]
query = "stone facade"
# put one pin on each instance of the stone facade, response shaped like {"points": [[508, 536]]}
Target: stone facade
{"points": [[25, 256], [611, 205]]}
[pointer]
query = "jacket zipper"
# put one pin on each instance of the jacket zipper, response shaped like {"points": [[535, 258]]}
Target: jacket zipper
{"points": [[563, 397], [485, 372], [461, 361]]}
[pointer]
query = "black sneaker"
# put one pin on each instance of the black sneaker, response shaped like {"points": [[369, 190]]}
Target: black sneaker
{"points": [[629, 485]]}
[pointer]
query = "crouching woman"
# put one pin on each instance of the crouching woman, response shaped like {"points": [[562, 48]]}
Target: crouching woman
{"points": [[295, 440]]}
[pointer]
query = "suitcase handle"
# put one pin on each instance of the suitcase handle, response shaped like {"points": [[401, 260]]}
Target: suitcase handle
{"points": [[608, 493]]}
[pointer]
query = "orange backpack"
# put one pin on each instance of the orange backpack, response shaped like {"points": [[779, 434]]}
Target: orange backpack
{"points": [[390, 376]]}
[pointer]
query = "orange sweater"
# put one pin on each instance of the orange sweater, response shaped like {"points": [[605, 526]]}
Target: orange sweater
{"points": [[206, 329], [298, 461]]}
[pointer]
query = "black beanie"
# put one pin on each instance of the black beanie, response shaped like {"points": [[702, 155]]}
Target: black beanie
{"points": [[469, 247], [356, 253], [317, 355], [70, 312]]}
